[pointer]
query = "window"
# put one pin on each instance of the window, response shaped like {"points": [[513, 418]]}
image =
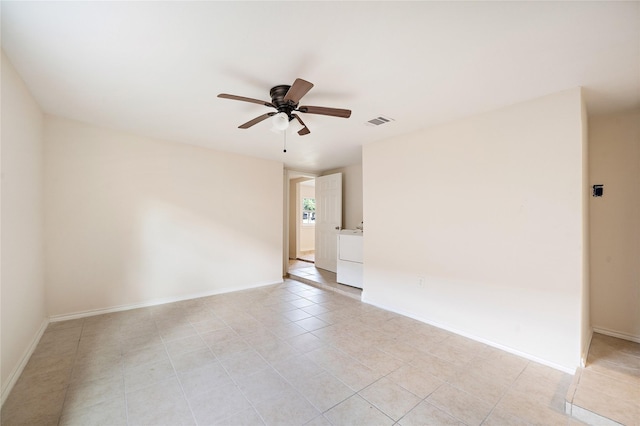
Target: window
{"points": [[309, 211]]}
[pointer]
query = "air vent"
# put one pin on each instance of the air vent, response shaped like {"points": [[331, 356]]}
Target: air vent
{"points": [[379, 121]]}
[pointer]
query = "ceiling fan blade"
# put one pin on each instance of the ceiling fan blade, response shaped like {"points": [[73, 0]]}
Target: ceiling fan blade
{"points": [[334, 112], [298, 90], [243, 99], [256, 120], [305, 130]]}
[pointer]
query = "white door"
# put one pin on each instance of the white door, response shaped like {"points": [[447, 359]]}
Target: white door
{"points": [[328, 220]]}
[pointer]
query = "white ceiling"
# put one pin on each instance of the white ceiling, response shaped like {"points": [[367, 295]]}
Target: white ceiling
{"points": [[155, 69]]}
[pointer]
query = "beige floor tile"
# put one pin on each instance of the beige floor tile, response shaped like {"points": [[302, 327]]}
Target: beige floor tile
{"points": [[275, 351], [311, 324], [227, 348], [30, 407], [453, 353], [530, 409], [246, 326], [140, 342], [620, 410], [218, 404], [48, 364], [202, 380], [357, 411], [544, 384], [296, 315], [289, 408], [110, 412], [188, 344], [480, 385], [177, 332], [354, 374], [302, 302], [147, 328], [192, 360], [91, 393], [499, 417], [460, 404], [400, 350], [209, 325], [260, 338], [304, 343], [97, 368], [244, 418], [328, 357], [315, 309], [297, 370], [47, 381], [160, 404], [615, 371], [610, 386], [416, 381], [243, 363], [319, 421], [503, 369], [149, 355], [264, 385], [147, 375], [425, 414], [390, 398], [435, 366], [288, 330], [379, 361], [325, 391]]}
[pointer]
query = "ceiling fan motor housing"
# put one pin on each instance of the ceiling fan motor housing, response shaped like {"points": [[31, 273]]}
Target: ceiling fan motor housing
{"points": [[277, 94]]}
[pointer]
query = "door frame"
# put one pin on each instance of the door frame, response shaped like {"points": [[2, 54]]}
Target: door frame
{"points": [[289, 174]]}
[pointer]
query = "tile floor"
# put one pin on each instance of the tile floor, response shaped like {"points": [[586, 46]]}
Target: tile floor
{"points": [[307, 273], [287, 354], [309, 256], [607, 390]]}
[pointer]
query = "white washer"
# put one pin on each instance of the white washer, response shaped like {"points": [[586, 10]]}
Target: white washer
{"points": [[350, 257]]}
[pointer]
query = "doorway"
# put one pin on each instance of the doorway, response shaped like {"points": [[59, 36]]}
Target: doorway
{"points": [[306, 221], [298, 244]]}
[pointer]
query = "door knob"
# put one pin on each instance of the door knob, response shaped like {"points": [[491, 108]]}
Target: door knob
{"points": [[337, 228]]}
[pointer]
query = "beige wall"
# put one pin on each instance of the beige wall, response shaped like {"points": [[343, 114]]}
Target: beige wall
{"points": [[614, 145], [477, 226], [130, 220], [22, 279], [351, 194]]}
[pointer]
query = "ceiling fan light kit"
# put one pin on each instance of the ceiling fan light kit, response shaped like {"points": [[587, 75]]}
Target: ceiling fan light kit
{"points": [[285, 100], [280, 121]]}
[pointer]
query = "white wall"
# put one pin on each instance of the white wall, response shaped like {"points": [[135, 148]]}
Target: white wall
{"points": [[614, 145], [131, 220], [489, 212], [351, 194], [23, 313]]}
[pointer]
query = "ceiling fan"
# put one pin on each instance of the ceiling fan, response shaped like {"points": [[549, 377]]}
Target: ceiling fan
{"points": [[285, 100]]}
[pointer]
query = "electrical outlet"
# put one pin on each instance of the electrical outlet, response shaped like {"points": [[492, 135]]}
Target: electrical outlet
{"points": [[420, 282]]}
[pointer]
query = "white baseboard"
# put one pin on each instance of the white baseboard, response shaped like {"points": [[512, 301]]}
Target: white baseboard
{"points": [[15, 374], [472, 337], [618, 334], [156, 302]]}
